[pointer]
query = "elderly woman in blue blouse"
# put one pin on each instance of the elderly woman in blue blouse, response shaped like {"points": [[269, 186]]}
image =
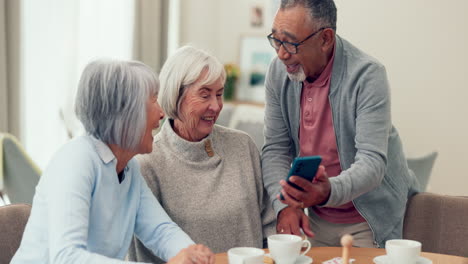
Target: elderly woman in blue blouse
{"points": [[92, 198], [207, 177]]}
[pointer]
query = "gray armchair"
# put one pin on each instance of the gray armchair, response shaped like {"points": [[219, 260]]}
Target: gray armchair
{"points": [[13, 219], [244, 117], [19, 175], [439, 222], [422, 168]]}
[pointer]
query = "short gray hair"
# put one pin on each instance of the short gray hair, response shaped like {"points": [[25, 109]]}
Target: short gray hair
{"points": [[111, 100], [321, 11], [183, 69]]}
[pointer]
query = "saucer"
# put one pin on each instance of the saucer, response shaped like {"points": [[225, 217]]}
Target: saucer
{"points": [[384, 260], [299, 260]]}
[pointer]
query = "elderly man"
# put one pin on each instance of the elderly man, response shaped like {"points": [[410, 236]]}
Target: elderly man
{"points": [[326, 97]]}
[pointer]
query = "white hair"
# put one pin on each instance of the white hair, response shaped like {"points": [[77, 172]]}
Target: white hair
{"points": [[183, 69], [111, 100]]}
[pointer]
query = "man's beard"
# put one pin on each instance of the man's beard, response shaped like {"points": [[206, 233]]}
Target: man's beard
{"points": [[298, 76]]}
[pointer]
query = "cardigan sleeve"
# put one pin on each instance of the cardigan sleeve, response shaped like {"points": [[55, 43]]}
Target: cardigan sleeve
{"points": [[373, 126], [277, 152]]}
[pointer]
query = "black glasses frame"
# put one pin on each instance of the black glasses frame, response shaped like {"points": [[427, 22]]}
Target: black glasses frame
{"points": [[273, 41]]}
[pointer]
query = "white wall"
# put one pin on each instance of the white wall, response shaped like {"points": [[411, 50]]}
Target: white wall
{"points": [[218, 25], [198, 24], [422, 43], [58, 39]]}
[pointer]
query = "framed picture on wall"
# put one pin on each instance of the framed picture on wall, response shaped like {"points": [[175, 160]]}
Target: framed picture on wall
{"points": [[256, 16], [255, 57]]}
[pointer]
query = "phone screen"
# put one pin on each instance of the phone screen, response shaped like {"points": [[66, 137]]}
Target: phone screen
{"points": [[305, 167]]}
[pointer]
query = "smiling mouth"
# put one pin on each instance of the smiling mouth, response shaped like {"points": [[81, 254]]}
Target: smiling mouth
{"points": [[292, 68], [211, 118]]}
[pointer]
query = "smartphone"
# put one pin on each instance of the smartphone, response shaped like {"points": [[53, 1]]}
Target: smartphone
{"points": [[305, 167]]}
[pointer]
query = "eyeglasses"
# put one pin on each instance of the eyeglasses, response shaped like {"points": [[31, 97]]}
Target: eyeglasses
{"points": [[290, 47]]}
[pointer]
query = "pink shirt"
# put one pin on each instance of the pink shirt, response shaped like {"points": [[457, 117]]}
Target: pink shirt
{"points": [[317, 137]]}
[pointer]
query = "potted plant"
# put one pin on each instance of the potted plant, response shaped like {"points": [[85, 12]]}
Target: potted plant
{"points": [[232, 74]]}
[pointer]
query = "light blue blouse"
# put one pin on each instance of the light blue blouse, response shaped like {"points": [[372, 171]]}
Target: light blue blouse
{"points": [[82, 214]]}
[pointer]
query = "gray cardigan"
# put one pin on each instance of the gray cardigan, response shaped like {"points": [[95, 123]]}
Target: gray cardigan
{"points": [[375, 175]]}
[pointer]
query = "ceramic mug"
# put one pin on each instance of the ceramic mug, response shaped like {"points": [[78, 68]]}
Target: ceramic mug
{"points": [[245, 255], [285, 249], [403, 251]]}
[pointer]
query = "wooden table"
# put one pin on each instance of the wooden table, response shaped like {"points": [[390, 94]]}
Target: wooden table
{"points": [[362, 256]]}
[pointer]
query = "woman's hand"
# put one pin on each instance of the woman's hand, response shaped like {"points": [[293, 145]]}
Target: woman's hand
{"points": [[194, 254]]}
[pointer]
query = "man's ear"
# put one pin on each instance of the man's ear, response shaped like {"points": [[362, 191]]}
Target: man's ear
{"points": [[328, 39]]}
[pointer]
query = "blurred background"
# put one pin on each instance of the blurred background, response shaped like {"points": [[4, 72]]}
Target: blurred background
{"points": [[44, 45]]}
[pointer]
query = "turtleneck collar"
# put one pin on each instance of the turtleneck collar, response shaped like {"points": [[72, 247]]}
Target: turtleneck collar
{"points": [[187, 150]]}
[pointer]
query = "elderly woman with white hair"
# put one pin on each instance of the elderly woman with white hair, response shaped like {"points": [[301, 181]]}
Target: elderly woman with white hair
{"points": [[207, 177], [92, 198]]}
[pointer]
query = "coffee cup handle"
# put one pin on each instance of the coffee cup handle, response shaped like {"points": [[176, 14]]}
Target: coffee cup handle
{"points": [[308, 246]]}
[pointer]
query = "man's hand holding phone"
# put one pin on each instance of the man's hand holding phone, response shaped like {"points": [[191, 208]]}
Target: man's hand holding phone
{"points": [[315, 192]]}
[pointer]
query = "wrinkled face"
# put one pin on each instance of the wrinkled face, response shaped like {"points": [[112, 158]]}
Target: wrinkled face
{"points": [[154, 114], [294, 25], [200, 109]]}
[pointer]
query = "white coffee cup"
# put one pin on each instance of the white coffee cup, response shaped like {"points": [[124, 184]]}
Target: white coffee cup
{"points": [[285, 249], [403, 251], [245, 255]]}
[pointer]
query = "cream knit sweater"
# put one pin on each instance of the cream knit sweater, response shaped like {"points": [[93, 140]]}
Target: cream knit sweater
{"points": [[218, 201]]}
